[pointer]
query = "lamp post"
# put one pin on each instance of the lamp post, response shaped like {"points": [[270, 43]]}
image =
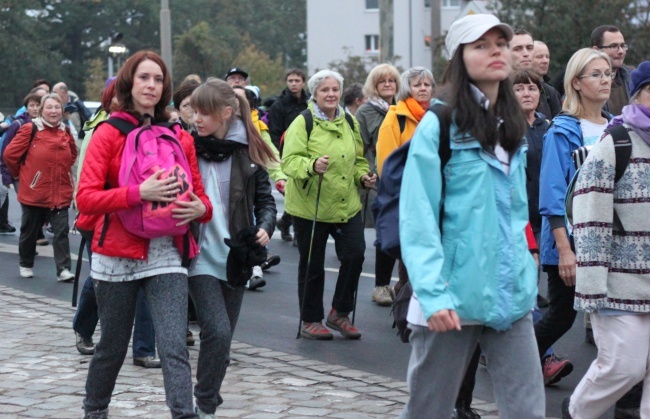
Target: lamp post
{"points": [[115, 51], [166, 34]]}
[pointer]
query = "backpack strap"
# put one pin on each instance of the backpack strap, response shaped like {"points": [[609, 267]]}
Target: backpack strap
{"points": [[77, 272], [348, 118], [622, 148], [401, 120], [29, 144], [124, 126], [623, 151], [309, 121], [444, 149]]}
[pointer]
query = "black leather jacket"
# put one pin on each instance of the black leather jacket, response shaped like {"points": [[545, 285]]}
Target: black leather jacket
{"points": [[250, 193]]}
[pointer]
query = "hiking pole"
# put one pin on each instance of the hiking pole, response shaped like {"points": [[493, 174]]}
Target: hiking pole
{"points": [[363, 222], [311, 245]]}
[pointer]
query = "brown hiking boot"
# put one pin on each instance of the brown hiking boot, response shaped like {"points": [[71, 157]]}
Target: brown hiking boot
{"points": [[316, 331], [342, 324]]}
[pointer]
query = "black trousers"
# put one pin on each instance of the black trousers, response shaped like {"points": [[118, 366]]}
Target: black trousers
{"points": [[31, 226], [560, 315], [350, 246], [4, 212]]}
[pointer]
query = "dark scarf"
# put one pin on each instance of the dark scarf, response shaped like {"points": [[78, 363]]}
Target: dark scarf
{"points": [[214, 149]]}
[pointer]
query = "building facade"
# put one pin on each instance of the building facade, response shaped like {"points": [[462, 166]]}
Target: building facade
{"points": [[337, 29]]}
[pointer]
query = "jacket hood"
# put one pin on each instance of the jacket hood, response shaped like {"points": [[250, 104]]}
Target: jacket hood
{"points": [[237, 132], [569, 126], [100, 116]]}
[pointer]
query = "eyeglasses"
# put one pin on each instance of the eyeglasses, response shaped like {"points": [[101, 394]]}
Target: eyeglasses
{"points": [[386, 81], [624, 47], [598, 76]]}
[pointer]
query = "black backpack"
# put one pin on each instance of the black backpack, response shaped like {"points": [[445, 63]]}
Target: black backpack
{"points": [[400, 310], [385, 207]]}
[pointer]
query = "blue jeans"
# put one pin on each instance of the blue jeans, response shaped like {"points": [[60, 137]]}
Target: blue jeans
{"points": [[86, 318]]}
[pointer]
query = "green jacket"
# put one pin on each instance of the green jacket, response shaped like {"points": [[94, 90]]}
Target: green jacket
{"points": [[339, 199]]}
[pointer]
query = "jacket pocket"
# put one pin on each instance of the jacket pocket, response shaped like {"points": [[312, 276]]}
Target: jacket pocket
{"points": [[35, 179]]}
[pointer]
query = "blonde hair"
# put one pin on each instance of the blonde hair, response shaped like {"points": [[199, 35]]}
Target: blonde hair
{"points": [[54, 96], [577, 64], [379, 71]]}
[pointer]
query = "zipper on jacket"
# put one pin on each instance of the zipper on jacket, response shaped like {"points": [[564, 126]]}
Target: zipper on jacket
{"points": [[37, 176]]}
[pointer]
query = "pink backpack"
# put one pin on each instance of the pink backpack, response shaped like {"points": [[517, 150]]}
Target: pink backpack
{"points": [[147, 149]]}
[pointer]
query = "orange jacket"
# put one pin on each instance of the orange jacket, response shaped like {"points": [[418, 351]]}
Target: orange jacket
{"points": [[99, 195], [390, 138], [44, 177]]}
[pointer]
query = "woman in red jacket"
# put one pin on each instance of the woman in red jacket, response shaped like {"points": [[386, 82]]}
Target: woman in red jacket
{"points": [[40, 156], [122, 262]]}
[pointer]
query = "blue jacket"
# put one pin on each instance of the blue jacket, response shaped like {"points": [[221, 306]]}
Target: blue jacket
{"points": [[480, 266], [563, 136]]}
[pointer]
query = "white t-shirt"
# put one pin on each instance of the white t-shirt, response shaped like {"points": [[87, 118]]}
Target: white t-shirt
{"points": [[591, 132]]}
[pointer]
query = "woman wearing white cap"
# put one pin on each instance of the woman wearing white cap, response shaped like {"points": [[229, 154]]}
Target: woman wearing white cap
{"points": [[477, 282]]}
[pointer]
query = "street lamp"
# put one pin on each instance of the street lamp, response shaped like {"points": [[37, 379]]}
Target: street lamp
{"points": [[115, 51]]}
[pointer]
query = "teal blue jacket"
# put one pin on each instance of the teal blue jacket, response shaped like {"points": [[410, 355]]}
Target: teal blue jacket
{"points": [[481, 266]]}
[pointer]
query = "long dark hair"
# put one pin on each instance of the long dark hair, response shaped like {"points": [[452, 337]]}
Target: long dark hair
{"points": [[470, 118]]}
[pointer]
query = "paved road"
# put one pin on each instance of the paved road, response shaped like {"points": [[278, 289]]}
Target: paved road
{"points": [[269, 317]]}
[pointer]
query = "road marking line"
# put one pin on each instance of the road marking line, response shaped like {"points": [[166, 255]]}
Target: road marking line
{"points": [[46, 251]]}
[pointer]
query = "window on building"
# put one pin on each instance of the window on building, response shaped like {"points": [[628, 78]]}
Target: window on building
{"points": [[449, 4], [372, 4], [372, 43]]}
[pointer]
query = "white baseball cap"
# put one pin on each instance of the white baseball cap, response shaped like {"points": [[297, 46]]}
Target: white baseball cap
{"points": [[470, 28]]}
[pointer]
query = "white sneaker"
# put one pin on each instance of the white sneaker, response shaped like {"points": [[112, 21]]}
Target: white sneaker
{"points": [[382, 295], [65, 276], [26, 272]]}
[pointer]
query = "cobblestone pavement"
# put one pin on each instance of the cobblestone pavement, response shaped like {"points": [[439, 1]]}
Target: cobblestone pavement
{"points": [[42, 376]]}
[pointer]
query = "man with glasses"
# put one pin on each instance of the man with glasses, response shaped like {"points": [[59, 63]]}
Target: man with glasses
{"points": [[610, 40]]}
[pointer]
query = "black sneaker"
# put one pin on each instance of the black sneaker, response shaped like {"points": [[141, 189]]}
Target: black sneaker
{"points": [[284, 228], [255, 282], [189, 338], [85, 346], [7, 229], [147, 362], [465, 412], [271, 261]]}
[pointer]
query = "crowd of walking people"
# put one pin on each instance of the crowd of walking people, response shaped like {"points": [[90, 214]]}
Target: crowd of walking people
{"points": [[172, 190]]}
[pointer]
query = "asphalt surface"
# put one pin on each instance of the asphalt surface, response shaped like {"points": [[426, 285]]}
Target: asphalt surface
{"points": [[269, 316]]}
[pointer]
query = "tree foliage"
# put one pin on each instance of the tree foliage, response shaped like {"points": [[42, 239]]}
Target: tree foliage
{"points": [[354, 68], [66, 40], [566, 26]]}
